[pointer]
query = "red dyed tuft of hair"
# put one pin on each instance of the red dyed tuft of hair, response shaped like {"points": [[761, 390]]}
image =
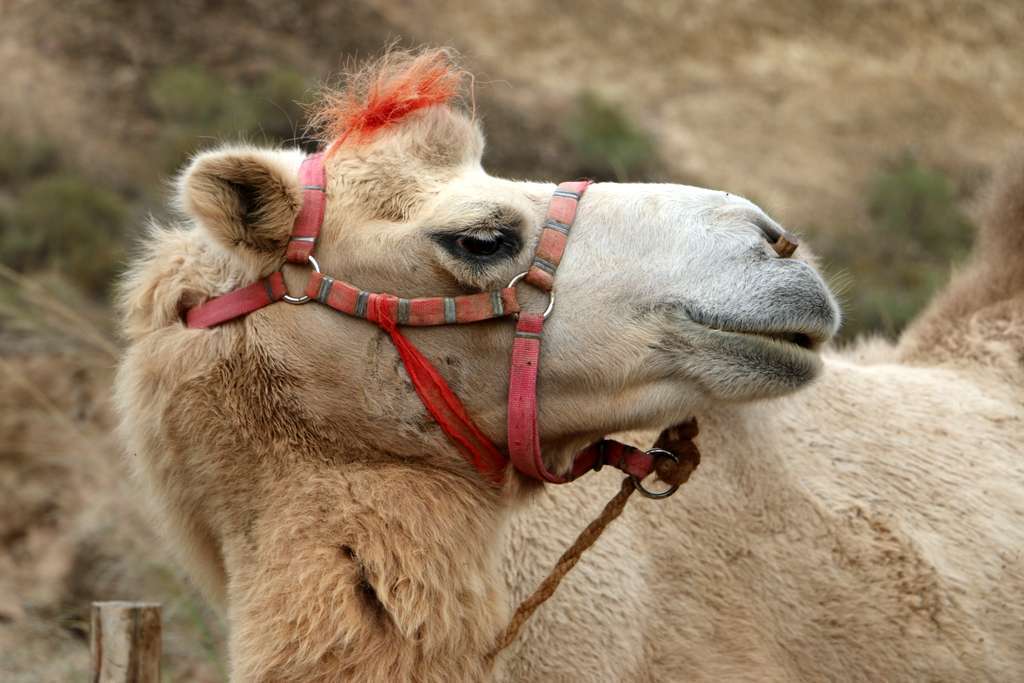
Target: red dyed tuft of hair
{"points": [[386, 92]]}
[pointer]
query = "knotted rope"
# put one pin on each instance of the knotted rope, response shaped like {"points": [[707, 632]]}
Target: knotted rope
{"points": [[679, 440]]}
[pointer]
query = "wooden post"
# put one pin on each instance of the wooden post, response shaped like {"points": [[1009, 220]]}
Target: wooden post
{"points": [[125, 642]]}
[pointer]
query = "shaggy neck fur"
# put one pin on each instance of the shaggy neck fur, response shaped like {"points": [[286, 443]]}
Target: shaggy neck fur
{"points": [[395, 596], [354, 564]]}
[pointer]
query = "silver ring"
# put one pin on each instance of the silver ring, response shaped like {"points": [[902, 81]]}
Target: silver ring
{"points": [[551, 295], [304, 298], [638, 483]]}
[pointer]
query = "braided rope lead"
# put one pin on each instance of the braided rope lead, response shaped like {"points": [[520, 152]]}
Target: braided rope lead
{"points": [[612, 509], [678, 439]]}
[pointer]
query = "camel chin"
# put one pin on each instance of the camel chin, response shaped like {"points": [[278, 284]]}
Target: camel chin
{"points": [[747, 366]]}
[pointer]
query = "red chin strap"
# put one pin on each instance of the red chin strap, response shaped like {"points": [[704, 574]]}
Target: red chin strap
{"points": [[391, 312]]}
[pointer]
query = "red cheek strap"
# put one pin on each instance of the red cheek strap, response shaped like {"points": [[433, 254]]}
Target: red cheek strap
{"points": [[238, 303], [313, 182]]}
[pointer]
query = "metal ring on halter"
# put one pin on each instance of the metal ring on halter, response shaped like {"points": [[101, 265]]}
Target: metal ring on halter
{"points": [[304, 298], [638, 483], [551, 295]]}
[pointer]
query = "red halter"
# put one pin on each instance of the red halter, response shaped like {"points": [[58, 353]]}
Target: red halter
{"points": [[390, 312]]}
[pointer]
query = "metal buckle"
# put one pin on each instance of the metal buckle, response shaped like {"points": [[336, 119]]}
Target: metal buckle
{"points": [[551, 295], [657, 495], [304, 298]]}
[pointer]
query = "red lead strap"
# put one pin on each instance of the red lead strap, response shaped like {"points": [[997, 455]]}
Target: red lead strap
{"points": [[391, 312]]}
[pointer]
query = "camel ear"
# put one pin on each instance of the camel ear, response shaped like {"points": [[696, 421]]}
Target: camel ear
{"points": [[244, 197]]}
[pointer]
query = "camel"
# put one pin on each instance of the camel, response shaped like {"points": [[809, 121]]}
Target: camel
{"points": [[856, 516]]}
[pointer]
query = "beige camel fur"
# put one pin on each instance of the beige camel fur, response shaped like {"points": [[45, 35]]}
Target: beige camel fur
{"points": [[309, 493]]}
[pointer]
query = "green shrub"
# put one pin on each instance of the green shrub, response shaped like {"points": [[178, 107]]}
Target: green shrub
{"points": [[194, 106], [22, 160], [607, 141], [197, 108], [64, 221], [921, 203], [276, 98], [916, 232], [192, 97]]}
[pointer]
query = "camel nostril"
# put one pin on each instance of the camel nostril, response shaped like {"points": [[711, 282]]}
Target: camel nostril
{"points": [[786, 244], [783, 242]]}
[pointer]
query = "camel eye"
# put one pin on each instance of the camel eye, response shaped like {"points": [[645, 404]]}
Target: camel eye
{"points": [[480, 246]]}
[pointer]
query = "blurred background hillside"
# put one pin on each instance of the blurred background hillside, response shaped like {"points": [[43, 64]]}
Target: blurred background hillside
{"points": [[867, 127]]}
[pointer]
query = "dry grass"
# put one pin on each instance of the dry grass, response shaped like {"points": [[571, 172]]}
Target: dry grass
{"points": [[71, 529], [795, 104]]}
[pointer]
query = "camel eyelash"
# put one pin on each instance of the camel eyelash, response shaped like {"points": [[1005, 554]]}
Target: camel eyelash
{"points": [[495, 238], [480, 248]]}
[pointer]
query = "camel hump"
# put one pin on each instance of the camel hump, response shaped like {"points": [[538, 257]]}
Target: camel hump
{"points": [[979, 316]]}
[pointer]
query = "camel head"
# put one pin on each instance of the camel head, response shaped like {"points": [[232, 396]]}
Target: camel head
{"points": [[668, 296]]}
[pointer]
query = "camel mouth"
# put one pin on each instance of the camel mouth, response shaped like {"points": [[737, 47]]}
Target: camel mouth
{"points": [[800, 338], [795, 347]]}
